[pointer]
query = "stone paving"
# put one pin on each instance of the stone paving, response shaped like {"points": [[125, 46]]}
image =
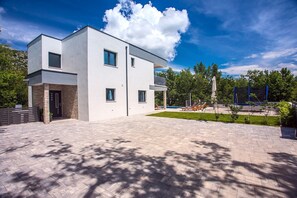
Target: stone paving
{"points": [[143, 156]]}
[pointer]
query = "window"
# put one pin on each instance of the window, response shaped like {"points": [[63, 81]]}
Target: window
{"points": [[110, 58], [110, 94], [54, 60], [141, 96], [132, 62]]}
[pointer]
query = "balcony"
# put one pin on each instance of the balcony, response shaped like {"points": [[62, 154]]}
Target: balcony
{"points": [[160, 81]]}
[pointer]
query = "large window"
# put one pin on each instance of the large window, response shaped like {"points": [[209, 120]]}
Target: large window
{"points": [[141, 96], [110, 94], [110, 58], [54, 60]]}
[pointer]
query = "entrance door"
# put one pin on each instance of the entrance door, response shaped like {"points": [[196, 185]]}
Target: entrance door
{"points": [[55, 103]]}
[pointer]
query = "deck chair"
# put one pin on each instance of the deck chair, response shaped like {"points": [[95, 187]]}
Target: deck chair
{"points": [[189, 108]]}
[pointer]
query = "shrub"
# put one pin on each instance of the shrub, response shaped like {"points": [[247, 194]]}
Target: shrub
{"points": [[217, 116], [247, 120], [287, 114], [234, 112], [266, 107]]}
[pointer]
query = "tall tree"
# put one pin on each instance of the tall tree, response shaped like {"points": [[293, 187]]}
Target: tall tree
{"points": [[257, 78], [13, 67], [200, 69], [288, 81], [184, 86], [225, 90]]}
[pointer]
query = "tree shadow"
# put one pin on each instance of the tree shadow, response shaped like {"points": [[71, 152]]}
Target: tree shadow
{"points": [[14, 148], [113, 168], [285, 172], [3, 130]]}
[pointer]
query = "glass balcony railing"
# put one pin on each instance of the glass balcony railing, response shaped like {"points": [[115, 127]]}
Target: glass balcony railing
{"points": [[160, 81]]}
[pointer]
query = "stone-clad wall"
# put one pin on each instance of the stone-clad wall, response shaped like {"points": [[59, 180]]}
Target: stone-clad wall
{"points": [[69, 99], [37, 96], [69, 102]]}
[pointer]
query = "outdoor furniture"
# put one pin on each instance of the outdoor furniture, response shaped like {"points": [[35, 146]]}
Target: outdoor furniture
{"points": [[189, 108], [157, 107], [195, 107], [201, 107]]}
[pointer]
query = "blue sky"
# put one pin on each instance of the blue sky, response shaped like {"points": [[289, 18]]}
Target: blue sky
{"points": [[237, 35]]}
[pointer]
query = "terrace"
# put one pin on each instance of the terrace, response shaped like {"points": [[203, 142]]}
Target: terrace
{"points": [[127, 157]]}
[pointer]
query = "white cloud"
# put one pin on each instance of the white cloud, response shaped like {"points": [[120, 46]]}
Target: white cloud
{"points": [[240, 69], [175, 68], [279, 54], [290, 66], [16, 31], [251, 56], [147, 27], [225, 64], [24, 32]]}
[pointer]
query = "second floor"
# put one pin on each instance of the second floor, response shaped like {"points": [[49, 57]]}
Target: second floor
{"points": [[89, 52]]}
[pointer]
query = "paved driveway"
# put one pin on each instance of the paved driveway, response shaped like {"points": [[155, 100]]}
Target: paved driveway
{"points": [[143, 156]]}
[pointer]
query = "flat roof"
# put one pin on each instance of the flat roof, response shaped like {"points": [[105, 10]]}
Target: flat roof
{"points": [[87, 26]]}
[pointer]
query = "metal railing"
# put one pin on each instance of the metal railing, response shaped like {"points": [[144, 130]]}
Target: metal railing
{"points": [[160, 81]]}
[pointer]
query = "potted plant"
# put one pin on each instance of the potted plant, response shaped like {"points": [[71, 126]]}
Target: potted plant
{"points": [[40, 112], [51, 116]]}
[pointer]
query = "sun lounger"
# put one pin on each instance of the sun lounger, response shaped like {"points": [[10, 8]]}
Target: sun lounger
{"points": [[189, 108]]}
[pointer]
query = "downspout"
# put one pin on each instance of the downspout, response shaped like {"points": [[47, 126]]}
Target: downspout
{"points": [[127, 97]]}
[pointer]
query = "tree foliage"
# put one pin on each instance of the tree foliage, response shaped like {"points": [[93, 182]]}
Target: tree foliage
{"points": [[13, 67], [282, 84]]}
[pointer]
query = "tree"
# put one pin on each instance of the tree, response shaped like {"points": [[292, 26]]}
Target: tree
{"points": [[288, 81], [215, 71], [257, 78], [184, 86], [225, 90], [171, 80], [13, 67], [282, 84], [200, 69], [242, 81], [294, 92]]}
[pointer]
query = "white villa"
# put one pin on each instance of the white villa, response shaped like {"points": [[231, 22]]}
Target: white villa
{"points": [[91, 75]]}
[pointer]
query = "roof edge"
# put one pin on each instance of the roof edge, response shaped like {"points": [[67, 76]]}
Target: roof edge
{"points": [[88, 26]]}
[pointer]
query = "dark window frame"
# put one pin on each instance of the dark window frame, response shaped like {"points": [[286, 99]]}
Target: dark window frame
{"points": [[50, 62], [139, 98], [109, 58], [114, 95], [132, 62]]}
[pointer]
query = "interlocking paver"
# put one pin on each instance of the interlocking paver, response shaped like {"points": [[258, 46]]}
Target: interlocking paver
{"points": [[142, 156]]}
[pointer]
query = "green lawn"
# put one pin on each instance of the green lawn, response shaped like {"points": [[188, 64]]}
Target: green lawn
{"points": [[259, 120]]}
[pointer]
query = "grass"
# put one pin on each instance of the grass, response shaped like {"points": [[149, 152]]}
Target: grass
{"points": [[258, 120]]}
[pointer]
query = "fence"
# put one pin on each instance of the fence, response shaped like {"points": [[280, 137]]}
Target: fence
{"points": [[295, 106], [17, 116]]}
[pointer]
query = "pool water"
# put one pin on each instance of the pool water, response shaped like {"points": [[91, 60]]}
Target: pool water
{"points": [[172, 107]]}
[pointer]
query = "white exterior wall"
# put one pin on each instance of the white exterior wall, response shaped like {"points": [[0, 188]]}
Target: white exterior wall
{"points": [[101, 77], [74, 59], [38, 53], [83, 54], [140, 77], [34, 56], [50, 45]]}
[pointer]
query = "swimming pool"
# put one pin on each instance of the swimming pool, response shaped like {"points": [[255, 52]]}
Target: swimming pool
{"points": [[172, 107]]}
